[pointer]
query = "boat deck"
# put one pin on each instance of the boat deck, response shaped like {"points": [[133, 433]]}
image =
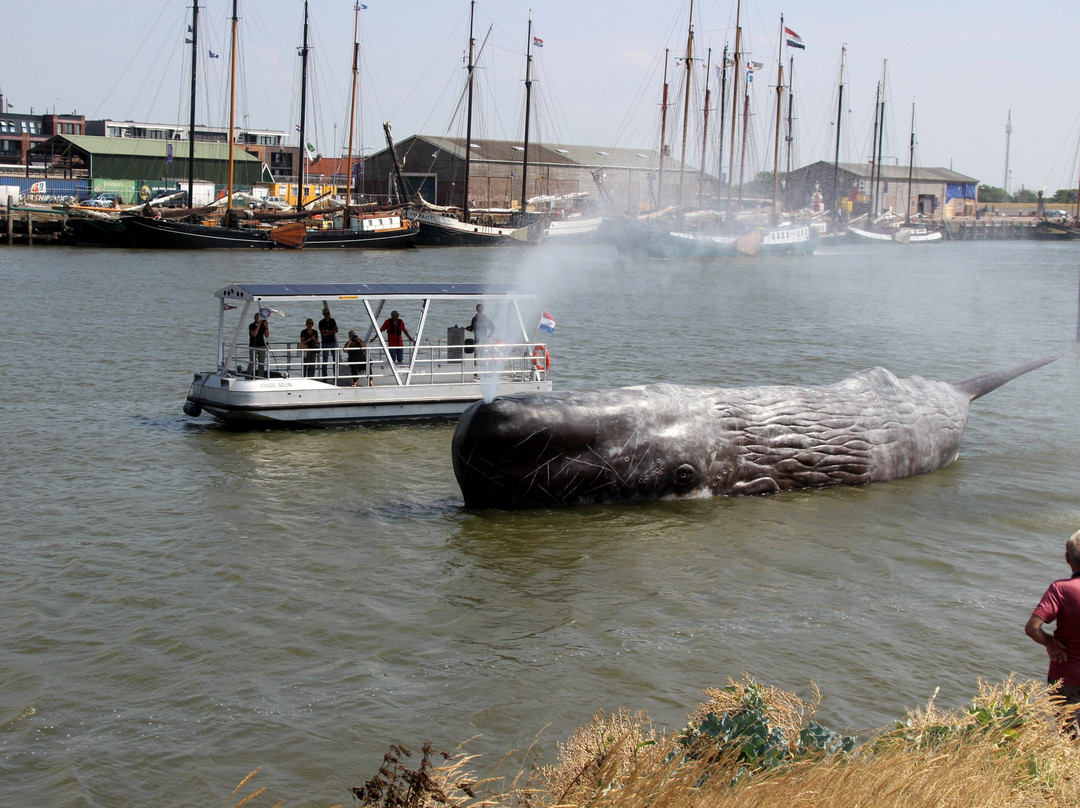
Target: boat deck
{"points": [[432, 378]]}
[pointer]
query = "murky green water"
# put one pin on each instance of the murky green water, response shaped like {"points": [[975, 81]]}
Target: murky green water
{"points": [[182, 604]]}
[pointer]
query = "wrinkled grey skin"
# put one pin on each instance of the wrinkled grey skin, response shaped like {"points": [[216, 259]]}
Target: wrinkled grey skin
{"points": [[669, 441]]}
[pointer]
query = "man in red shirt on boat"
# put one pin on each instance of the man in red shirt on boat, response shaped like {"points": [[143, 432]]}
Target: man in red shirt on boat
{"points": [[1061, 604], [394, 328]]}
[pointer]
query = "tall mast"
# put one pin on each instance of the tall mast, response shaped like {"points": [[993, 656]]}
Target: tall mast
{"points": [[1076, 215], [663, 131], [790, 110], [686, 100], [232, 112], [303, 111], [839, 118], [191, 126], [399, 180], [742, 153], [705, 130], [352, 111], [468, 123], [873, 152], [779, 111], [734, 101], [528, 106], [720, 139], [911, 165], [881, 135]]}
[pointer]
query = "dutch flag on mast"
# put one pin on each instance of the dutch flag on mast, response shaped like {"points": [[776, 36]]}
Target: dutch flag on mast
{"points": [[547, 323], [793, 39]]}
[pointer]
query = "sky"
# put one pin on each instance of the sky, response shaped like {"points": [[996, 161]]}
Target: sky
{"points": [[962, 66]]}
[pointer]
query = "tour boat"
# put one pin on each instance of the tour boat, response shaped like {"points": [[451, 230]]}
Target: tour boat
{"points": [[437, 376]]}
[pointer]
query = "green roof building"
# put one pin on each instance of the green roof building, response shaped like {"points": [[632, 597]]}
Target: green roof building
{"points": [[142, 161]]}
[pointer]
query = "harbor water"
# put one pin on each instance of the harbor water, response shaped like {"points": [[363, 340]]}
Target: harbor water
{"points": [[184, 603]]}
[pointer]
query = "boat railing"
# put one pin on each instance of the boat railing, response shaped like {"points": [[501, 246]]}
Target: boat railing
{"points": [[430, 363]]}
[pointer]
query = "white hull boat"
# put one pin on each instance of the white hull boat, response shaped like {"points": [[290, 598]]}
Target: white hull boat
{"points": [[432, 378]]}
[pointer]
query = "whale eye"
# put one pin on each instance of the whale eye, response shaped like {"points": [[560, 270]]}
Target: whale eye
{"points": [[686, 475]]}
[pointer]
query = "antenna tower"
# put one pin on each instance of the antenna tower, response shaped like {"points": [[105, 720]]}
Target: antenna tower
{"points": [[1008, 138]]}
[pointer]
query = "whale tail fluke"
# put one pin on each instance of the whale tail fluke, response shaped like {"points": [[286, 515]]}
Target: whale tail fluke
{"points": [[978, 386]]}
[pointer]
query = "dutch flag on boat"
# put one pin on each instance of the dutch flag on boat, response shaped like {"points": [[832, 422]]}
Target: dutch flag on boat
{"points": [[538, 42], [793, 39], [547, 323]]}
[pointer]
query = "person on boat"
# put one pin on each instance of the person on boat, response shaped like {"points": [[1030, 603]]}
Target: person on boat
{"points": [[258, 332], [356, 352], [309, 348], [481, 326], [482, 329], [1060, 604], [394, 328], [328, 331]]}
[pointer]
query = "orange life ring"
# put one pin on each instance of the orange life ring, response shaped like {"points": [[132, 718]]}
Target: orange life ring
{"points": [[541, 358]]}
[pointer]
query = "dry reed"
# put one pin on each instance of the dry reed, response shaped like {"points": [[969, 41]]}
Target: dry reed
{"points": [[1011, 747]]}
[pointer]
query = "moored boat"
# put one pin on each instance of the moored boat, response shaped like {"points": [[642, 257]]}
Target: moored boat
{"points": [[434, 378]]}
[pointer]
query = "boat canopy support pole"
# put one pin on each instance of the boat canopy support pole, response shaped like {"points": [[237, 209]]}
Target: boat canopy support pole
{"points": [[236, 335], [416, 340], [521, 323], [382, 339]]}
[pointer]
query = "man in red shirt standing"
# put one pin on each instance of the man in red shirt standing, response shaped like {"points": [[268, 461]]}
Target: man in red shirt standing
{"points": [[394, 328], [1061, 604]]}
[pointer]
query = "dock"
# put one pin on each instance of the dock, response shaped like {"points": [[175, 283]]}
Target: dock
{"points": [[23, 225], [990, 229]]}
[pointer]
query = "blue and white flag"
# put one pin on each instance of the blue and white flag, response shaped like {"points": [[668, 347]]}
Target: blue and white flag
{"points": [[547, 323], [214, 55]]}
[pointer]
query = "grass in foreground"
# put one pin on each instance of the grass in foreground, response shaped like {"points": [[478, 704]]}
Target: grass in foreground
{"points": [[750, 745]]}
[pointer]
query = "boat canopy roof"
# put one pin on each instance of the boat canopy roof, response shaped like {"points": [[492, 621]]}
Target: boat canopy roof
{"points": [[369, 291]]}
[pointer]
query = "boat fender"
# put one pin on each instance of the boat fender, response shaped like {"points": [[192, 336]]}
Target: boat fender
{"points": [[192, 409], [541, 357]]}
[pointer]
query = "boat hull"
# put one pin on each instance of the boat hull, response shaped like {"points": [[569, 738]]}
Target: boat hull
{"points": [[147, 233], [1055, 231], [438, 230], [89, 232], [903, 235], [655, 242], [238, 401], [344, 239], [573, 231]]}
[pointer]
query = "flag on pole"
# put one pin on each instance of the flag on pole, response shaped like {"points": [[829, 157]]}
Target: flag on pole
{"points": [[214, 55], [538, 42], [547, 323], [793, 39]]}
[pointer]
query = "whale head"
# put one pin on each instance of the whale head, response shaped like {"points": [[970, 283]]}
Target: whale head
{"points": [[532, 450]]}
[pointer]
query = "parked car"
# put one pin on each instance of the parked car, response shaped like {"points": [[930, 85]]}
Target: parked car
{"points": [[275, 203], [106, 199]]}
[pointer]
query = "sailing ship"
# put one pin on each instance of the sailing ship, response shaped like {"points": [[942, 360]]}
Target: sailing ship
{"points": [[887, 227], [240, 228], [706, 233], [149, 229], [443, 225], [383, 229]]}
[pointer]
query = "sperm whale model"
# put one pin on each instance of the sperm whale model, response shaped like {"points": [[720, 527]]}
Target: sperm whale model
{"points": [[663, 441]]}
